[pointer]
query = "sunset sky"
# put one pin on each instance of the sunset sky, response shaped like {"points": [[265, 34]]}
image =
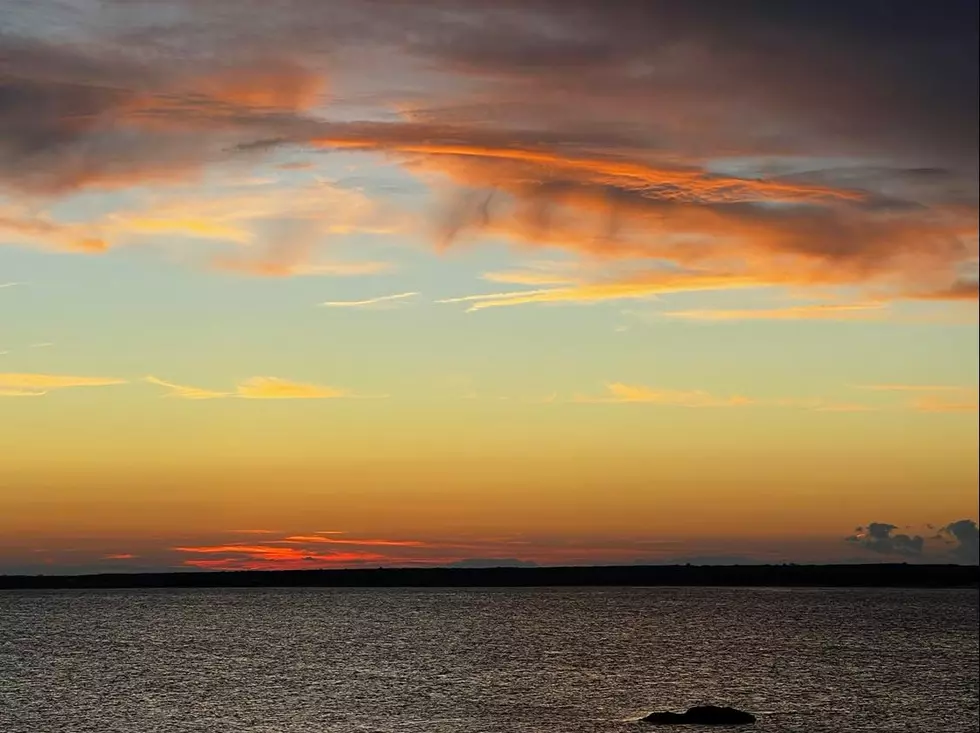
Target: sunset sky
{"points": [[290, 283]]}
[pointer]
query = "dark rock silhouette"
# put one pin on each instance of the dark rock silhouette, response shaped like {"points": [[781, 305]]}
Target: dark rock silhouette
{"points": [[702, 715]]}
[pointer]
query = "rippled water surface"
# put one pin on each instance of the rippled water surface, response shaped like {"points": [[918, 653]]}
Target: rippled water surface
{"points": [[484, 661]]}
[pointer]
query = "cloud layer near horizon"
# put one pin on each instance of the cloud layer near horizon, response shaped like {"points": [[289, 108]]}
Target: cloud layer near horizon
{"points": [[710, 146], [960, 538]]}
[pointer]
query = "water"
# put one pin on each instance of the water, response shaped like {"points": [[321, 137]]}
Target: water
{"points": [[484, 661]]}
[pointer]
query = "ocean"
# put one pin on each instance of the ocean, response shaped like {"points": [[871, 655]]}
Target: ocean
{"points": [[530, 660]]}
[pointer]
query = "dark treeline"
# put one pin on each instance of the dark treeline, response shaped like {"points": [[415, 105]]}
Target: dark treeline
{"points": [[828, 576]]}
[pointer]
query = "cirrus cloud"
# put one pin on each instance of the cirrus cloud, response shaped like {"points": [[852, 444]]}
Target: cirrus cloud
{"points": [[26, 384], [255, 388]]}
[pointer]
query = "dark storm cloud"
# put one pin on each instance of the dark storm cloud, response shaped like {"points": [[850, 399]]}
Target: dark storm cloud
{"points": [[880, 537], [964, 534]]}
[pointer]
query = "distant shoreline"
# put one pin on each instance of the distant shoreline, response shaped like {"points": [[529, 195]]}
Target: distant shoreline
{"points": [[784, 576]]}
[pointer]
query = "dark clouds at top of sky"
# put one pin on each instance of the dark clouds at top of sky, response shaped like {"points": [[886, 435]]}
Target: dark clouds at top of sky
{"points": [[877, 96], [871, 77]]}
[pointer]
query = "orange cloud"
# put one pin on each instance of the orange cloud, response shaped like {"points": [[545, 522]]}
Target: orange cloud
{"points": [[328, 540], [35, 385], [255, 388], [263, 268], [185, 392], [519, 277], [915, 387], [641, 286], [934, 404], [37, 229], [679, 184], [270, 84], [776, 234], [274, 388], [270, 557], [120, 556], [618, 392], [948, 398], [252, 531]]}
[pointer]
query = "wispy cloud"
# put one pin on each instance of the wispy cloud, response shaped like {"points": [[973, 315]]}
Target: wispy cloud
{"points": [[36, 385], [539, 273], [619, 392], [915, 387], [325, 539], [936, 404], [253, 531], [938, 398], [255, 388], [185, 392], [9, 285], [380, 300], [272, 268], [643, 286], [262, 557], [822, 312], [274, 388]]}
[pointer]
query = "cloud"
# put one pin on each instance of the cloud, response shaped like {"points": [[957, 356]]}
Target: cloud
{"points": [[185, 392], [274, 388], [255, 388], [265, 268], [271, 557], [822, 312], [80, 115], [963, 290], [36, 385], [880, 537], [383, 299], [814, 144], [120, 556], [323, 539], [939, 398], [618, 392], [264, 230], [964, 534], [914, 387], [253, 531], [934, 404], [642, 286], [320, 549]]}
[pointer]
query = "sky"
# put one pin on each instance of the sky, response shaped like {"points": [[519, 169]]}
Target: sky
{"points": [[288, 283]]}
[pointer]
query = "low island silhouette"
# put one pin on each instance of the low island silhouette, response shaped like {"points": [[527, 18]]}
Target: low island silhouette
{"points": [[805, 576]]}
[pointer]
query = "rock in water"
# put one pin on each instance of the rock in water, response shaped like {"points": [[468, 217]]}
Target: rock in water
{"points": [[702, 715]]}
